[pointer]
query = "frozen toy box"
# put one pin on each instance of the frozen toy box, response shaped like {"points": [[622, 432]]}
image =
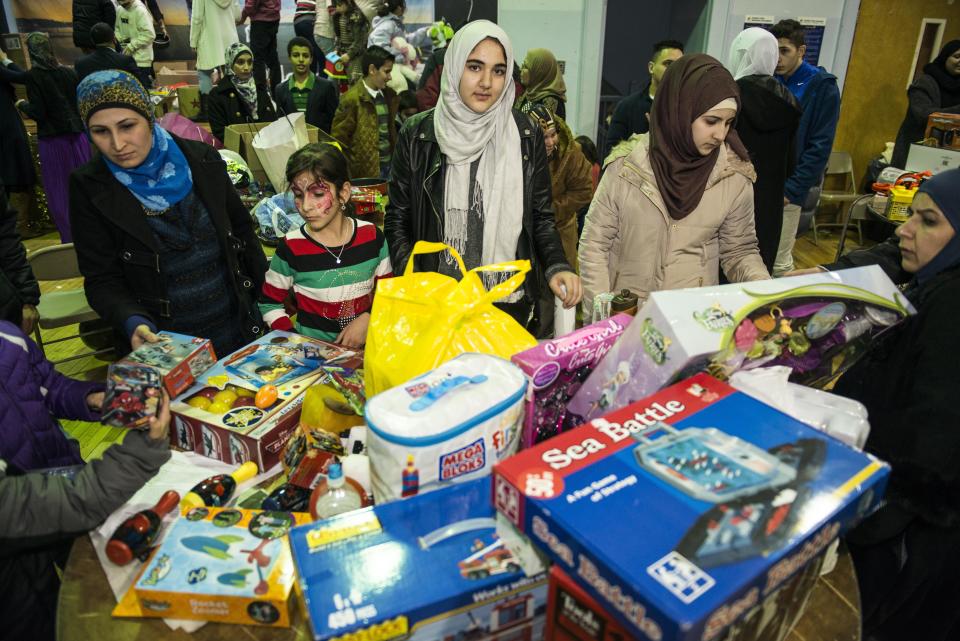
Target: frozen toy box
{"points": [[429, 568], [179, 359], [817, 324], [556, 369], [222, 564], [681, 512], [245, 406]]}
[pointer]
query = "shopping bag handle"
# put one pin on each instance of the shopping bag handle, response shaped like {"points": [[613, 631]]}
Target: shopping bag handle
{"points": [[507, 287], [427, 247]]}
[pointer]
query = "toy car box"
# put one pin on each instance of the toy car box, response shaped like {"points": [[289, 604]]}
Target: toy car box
{"points": [[222, 564], [719, 500], [943, 128], [817, 325], [428, 568], [180, 359], [556, 368], [219, 416], [574, 615]]}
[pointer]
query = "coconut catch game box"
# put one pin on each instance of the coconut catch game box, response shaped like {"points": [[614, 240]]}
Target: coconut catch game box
{"points": [[718, 501], [425, 568]]}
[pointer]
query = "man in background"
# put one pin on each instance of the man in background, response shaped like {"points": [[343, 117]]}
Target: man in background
{"points": [[632, 113], [104, 56], [816, 91]]}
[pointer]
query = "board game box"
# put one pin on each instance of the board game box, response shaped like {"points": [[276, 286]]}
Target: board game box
{"points": [[428, 568], [719, 500], [222, 564], [817, 324], [180, 359], [246, 405]]}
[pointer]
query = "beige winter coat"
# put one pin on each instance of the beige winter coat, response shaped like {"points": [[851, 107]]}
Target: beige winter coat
{"points": [[213, 28], [630, 242]]}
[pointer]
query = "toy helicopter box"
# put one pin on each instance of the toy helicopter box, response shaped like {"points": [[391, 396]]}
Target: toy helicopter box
{"points": [[222, 564], [818, 325], [244, 407], [179, 359], [719, 500], [428, 568]]}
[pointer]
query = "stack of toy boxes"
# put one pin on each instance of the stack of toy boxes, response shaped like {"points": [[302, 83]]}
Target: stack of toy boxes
{"points": [[179, 359], [234, 428], [222, 564], [428, 568], [719, 500], [817, 325]]}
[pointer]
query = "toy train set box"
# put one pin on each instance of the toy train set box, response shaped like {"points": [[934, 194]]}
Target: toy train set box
{"points": [[817, 324], [719, 500], [222, 564], [178, 358], [428, 568], [244, 407]]}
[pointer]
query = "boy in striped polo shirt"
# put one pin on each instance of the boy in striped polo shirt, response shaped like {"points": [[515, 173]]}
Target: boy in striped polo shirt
{"points": [[332, 262]]}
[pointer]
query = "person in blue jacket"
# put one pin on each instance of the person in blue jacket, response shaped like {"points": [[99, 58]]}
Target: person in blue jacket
{"points": [[816, 91]]}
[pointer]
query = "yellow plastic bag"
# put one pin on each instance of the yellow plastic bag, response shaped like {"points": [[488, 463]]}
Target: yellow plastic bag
{"points": [[422, 319]]}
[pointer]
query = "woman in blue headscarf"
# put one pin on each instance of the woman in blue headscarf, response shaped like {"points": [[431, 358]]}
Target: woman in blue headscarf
{"points": [[163, 239], [907, 554]]}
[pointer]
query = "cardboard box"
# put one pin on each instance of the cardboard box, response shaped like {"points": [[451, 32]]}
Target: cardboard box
{"points": [[403, 570], [163, 101], [574, 615], [719, 501], [167, 77], [222, 564], [556, 369], [188, 99], [934, 159], [180, 359], [239, 138], [944, 129], [245, 432], [817, 324]]}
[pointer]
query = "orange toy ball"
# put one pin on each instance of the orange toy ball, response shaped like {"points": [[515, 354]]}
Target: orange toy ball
{"points": [[266, 396]]}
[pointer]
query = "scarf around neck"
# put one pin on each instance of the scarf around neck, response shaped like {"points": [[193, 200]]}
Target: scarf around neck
{"points": [[492, 137], [163, 179], [691, 86], [246, 88], [949, 84]]}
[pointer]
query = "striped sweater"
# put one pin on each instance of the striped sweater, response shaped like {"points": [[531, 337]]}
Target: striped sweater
{"points": [[328, 295]]}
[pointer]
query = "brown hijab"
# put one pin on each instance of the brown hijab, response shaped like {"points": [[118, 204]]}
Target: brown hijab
{"points": [[691, 86]]}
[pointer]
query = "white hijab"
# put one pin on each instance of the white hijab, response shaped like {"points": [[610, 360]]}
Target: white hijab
{"points": [[493, 137], [754, 52]]}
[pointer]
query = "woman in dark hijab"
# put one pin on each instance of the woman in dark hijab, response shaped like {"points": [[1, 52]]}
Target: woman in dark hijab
{"points": [[937, 89]]}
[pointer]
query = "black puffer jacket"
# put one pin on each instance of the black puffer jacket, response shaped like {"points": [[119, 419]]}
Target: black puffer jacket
{"points": [[87, 13], [415, 209], [118, 252], [18, 287]]}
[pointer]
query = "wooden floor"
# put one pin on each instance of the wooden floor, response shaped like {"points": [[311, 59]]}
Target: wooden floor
{"points": [[95, 438]]}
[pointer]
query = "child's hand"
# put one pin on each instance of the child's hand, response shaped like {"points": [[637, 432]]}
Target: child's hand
{"points": [[95, 401], [159, 429], [355, 334], [141, 335]]}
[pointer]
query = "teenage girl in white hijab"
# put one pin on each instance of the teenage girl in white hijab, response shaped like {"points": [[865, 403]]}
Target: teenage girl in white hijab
{"points": [[473, 174], [767, 123]]}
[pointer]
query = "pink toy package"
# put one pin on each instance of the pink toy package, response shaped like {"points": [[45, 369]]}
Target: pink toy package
{"points": [[556, 369]]}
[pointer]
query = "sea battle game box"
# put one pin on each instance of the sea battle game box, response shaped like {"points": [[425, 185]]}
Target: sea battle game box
{"points": [[428, 568], [719, 500], [817, 324], [246, 405], [222, 564]]}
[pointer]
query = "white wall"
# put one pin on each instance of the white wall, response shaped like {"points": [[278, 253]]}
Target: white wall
{"points": [[727, 17], [573, 31]]}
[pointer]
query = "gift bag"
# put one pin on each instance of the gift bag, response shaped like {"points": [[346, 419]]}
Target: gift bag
{"points": [[275, 143], [420, 320]]}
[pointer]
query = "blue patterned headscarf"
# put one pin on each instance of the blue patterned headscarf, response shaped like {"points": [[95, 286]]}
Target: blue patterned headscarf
{"points": [[163, 179]]}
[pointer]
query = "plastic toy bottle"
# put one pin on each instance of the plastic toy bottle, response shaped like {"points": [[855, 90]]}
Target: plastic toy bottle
{"points": [[134, 536], [410, 479], [217, 490], [339, 496]]}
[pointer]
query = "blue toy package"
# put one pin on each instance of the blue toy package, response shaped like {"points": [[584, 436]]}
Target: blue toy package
{"points": [[428, 568], [719, 501]]}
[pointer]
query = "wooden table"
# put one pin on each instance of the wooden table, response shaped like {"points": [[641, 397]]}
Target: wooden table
{"points": [[86, 601]]}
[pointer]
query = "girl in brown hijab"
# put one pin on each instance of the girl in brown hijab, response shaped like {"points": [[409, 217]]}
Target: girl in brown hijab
{"points": [[676, 204], [543, 83]]}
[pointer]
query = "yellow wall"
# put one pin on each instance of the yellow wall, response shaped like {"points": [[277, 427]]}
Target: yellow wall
{"points": [[874, 95]]}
